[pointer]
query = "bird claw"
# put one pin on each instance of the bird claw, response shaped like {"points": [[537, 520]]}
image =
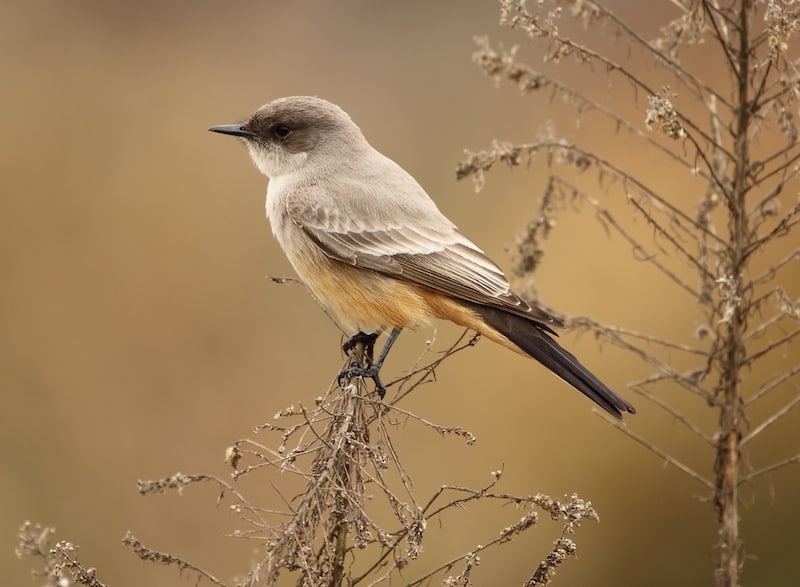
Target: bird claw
{"points": [[374, 367], [372, 372]]}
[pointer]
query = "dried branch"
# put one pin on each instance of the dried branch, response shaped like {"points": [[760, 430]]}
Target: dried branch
{"points": [[343, 452], [639, 387], [769, 469], [59, 562], [771, 420], [163, 558], [775, 383]]}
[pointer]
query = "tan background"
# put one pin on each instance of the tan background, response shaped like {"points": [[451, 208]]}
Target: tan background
{"points": [[140, 336]]}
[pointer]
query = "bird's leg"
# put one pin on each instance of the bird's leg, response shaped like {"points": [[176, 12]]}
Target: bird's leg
{"points": [[386, 347], [373, 370]]}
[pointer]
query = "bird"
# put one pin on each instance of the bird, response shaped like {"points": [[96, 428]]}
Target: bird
{"points": [[375, 250]]}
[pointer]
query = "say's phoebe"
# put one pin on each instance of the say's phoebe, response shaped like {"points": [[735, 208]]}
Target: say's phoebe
{"points": [[375, 250]]}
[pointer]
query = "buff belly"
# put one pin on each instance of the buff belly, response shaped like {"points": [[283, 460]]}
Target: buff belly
{"points": [[363, 300], [360, 299]]}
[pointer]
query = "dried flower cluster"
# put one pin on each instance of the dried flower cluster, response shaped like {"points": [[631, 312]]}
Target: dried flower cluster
{"points": [[663, 114]]}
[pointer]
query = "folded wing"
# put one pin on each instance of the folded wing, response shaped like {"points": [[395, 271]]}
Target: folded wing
{"points": [[427, 250]]}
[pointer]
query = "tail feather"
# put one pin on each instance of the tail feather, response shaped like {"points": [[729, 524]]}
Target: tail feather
{"points": [[532, 338]]}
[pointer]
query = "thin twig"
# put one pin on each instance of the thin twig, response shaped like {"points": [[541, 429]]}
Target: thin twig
{"points": [[662, 454], [771, 420], [769, 469]]}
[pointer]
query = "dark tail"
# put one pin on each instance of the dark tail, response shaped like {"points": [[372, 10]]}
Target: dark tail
{"points": [[532, 337]]}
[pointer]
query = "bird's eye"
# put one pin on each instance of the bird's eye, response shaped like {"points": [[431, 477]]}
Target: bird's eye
{"points": [[281, 131]]}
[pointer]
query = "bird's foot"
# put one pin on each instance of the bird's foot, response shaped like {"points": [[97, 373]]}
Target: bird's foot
{"points": [[369, 368], [372, 372]]}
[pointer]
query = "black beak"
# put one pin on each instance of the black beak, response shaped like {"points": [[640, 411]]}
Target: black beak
{"points": [[236, 130]]}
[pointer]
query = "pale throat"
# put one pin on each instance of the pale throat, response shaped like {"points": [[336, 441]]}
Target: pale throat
{"points": [[274, 164]]}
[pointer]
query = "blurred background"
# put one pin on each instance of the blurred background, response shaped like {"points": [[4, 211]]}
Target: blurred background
{"points": [[141, 336]]}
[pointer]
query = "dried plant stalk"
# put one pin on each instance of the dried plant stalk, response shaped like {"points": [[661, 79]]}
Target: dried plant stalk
{"points": [[743, 175]]}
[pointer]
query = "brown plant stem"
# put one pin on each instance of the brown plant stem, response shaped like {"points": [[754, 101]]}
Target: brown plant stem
{"points": [[729, 400]]}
